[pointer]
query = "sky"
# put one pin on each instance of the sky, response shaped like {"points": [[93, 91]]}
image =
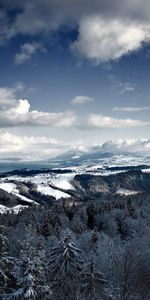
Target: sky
{"points": [[73, 74]]}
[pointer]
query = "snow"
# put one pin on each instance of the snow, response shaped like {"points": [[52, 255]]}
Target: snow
{"points": [[47, 190], [45, 182], [42, 181], [146, 170], [127, 192], [63, 181], [11, 188], [15, 209], [76, 156], [3, 209], [24, 198]]}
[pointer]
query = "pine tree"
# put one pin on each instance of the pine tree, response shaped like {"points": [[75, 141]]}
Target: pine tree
{"points": [[30, 272], [64, 269], [6, 265]]}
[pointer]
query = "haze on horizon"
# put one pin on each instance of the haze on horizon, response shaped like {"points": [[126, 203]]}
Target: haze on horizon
{"points": [[73, 74]]}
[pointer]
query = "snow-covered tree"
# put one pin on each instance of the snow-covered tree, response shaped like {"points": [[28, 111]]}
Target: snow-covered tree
{"points": [[64, 269], [3, 276], [93, 283], [30, 272], [6, 265]]}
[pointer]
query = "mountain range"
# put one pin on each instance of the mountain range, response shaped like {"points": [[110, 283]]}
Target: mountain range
{"points": [[96, 157]]}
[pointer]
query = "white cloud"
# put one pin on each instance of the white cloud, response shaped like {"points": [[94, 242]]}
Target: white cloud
{"points": [[81, 100], [131, 109], [103, 39], [15, 112], [116, 146], [107, 29], [100, 121], [7, 96], [127, 145], [34, 148], [26, 52], [29, 147]]}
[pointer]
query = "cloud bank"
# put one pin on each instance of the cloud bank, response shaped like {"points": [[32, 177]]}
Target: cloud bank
{"points": [[127, 145], [35, 148], [29, 148]]}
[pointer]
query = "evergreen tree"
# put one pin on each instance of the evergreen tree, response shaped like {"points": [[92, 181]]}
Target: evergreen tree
{"points": [[6, 265], [64, 269], [30, 272]]}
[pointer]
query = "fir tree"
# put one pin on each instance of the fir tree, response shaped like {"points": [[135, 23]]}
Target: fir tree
{"points": [[64, 269], [30, 273], [7, 263]]}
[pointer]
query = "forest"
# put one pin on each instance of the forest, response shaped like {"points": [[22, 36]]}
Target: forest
{"points": [[77, 249]]}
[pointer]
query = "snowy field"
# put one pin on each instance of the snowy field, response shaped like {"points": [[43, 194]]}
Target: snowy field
{"points": [[12, 188], [43, 182]]}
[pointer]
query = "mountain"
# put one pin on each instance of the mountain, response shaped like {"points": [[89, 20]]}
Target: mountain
{"points": [[96, 156], [77, 157]]}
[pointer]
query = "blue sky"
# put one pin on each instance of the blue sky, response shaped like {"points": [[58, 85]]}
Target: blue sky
{"points": [[73, 73]]}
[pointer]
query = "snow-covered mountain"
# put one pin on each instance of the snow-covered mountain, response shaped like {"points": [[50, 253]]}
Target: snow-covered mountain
{"points": [[97, 158]]}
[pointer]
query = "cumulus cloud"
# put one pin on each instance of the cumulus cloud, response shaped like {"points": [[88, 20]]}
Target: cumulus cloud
{"points": [[26, 52], [81, 100], [127, 145], [118, 146], [131, 109], [103, 39], [107, 29], [100, 121], [15, 112]]}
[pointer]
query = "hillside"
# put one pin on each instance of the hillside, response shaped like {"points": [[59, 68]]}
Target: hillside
{"points": [[94, 227]]}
